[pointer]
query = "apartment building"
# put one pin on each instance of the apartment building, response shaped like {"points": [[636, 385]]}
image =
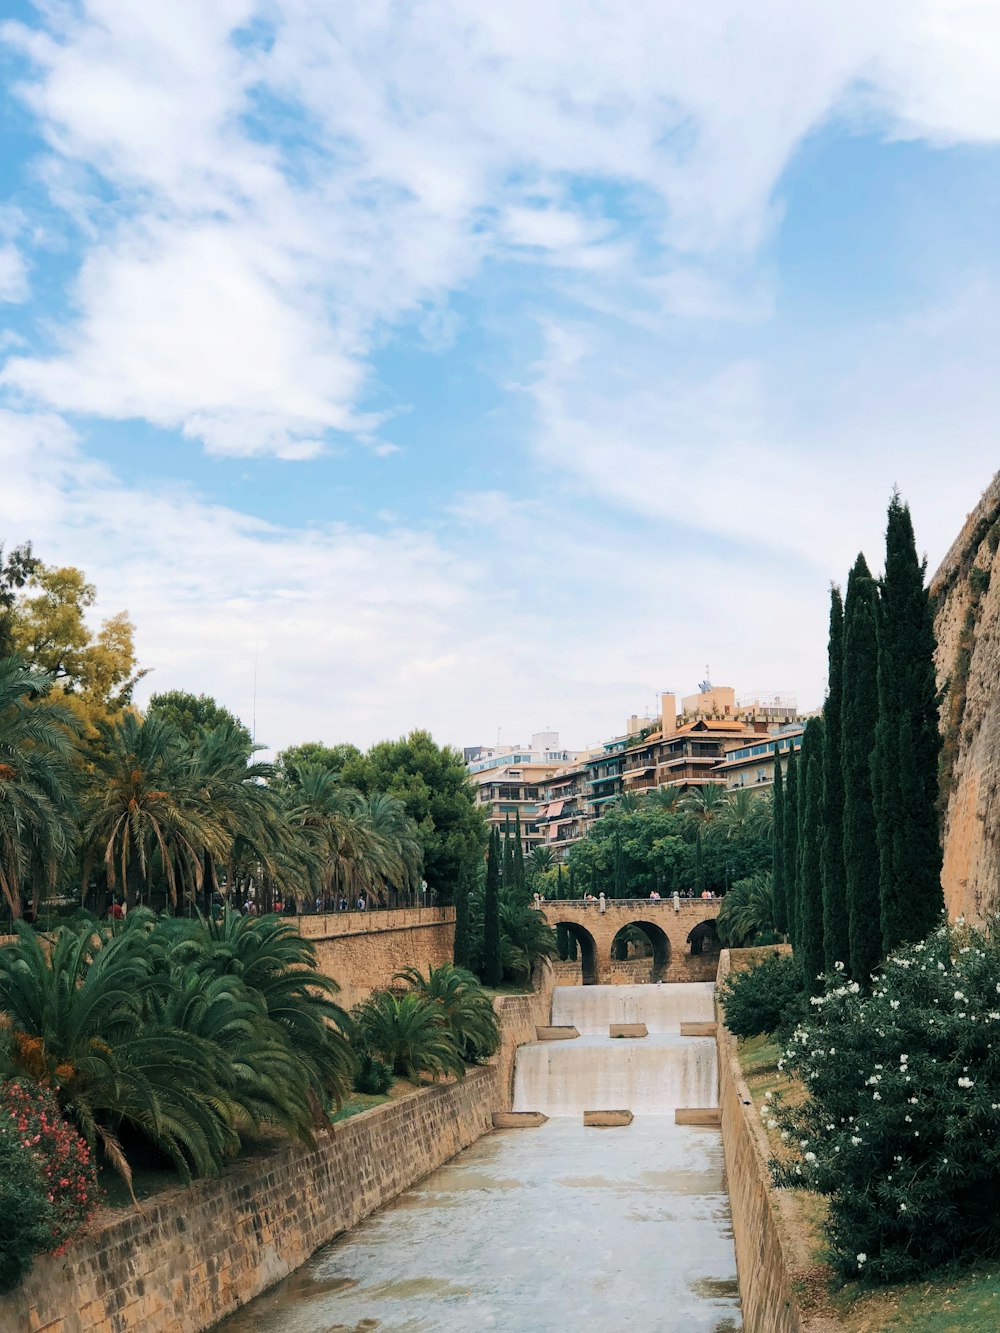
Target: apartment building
{"points": [[509, 781], [753, 765]]}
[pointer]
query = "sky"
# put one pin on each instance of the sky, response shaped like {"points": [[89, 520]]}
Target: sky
{"points": [[491, 369]]}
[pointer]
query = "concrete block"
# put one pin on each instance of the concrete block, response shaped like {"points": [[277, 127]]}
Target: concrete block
{"points": [[628, 1030], [518, 1119], [698, 1115], [698, 1029], [607, 1119], [555, 1034]]}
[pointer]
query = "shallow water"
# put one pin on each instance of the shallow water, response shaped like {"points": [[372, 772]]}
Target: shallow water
{"points": [[534, 1231], [544, 1230]]}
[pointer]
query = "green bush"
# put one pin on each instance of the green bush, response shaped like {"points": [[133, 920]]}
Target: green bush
{"points": [[373, 1076], [765, 998], [463, 1008], [27, 1218], [406, 1033], [901, 1128]]}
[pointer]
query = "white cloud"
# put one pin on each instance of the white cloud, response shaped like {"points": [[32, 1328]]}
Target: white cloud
{"points": [[13, 274], [279, 201]]}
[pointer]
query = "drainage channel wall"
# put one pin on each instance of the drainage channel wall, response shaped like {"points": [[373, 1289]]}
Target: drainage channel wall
{"points": [[183, 1260], [769, 1264]]}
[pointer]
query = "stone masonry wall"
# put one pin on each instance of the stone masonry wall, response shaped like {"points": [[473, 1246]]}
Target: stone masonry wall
{"points": [[188, 1257], [768, 1262], [966, 592], [362, 950]]}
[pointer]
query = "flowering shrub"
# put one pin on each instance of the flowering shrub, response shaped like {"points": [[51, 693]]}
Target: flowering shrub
{"points": [[61, 1156], [901, 1127], [764, 998], [26, 1216]]}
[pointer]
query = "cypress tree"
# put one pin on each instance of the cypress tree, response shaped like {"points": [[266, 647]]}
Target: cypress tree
{"points": [[809, 886], [699, 865], [460, 948], [507, 863], [836, 937], [619, 881], [778, 847], [790, 840], [562, 934], [907, 742], [859, 714], [594, 883], [571, 890], [492, 963], [520, 875]]}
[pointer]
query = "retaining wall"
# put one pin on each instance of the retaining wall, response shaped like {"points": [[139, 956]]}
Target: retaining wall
{"points": [[186, 1258], [769, 1262]]}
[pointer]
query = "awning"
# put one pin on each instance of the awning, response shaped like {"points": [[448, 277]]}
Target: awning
{"points": [[637, 772], [555, 808]]}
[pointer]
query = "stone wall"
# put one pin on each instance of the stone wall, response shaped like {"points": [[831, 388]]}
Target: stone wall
{"points": [[188, 1257], [769, 1261], [362, 950], [966, 592]]}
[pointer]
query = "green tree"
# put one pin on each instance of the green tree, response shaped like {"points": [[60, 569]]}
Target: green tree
{"points": [[907, 743], [836, 933], [809, 886], [194, 715], [434, 787], [747, 911], [778, 848], [463, 1007], [858, 721], [15, 571], [37, 784], [790, 840], [520, 873], [406, 1033], [336, 758], [461, 950], [492, 959]]}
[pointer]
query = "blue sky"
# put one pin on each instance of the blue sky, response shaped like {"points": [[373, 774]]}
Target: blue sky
{"points": [[491, 371]]}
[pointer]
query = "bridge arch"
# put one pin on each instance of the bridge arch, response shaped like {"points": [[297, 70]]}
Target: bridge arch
{"points": [[659, 943], [594, 923], [585, 943]]}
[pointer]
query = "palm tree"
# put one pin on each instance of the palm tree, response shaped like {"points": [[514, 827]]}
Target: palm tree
{"points": [[525, 937], [37, 783], [464, 1007], [747, 911], [746, 810], [628, 803], [406, 1033], [704, 803], [665, 800], [540, 860], [142, 801]]}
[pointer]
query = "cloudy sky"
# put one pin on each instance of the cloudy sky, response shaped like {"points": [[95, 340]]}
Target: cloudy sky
{"points": [[491, 367]]}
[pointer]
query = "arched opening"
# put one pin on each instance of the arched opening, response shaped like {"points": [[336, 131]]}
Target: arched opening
{"points": [[643, 942], [704, 938], [582, 947]]}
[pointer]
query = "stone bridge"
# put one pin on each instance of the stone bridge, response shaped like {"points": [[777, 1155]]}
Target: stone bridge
{"points": [[666, 929]]}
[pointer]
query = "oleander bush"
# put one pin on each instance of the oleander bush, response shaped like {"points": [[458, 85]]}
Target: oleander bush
{"points": [[901, 1124], [26, 1215], [764, 998]]}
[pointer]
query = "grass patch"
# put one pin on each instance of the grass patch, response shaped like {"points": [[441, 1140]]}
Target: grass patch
{"points": [[508, 988]]}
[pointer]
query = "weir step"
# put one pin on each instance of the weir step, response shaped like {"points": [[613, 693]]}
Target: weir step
{"points": [[698, 1029], [555, 1033], [698, 1115], [518, 1119], [607, 1119], [628, 1030]]}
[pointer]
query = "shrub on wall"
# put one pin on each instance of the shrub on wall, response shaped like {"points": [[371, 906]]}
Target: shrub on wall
{"points": [[26, 1216], [372, 1076], [764, 998], [901, 1127]]}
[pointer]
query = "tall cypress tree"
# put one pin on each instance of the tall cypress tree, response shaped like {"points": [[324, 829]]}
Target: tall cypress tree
{"points": [[507, 863], [907, 743], [790, 839], [460, 949], [836, 936], [520, 875], [778, 847], [859, 715], [809, 885], [492, 963]]}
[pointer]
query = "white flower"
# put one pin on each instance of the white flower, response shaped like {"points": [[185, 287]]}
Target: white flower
{"points": [[959, 995], [768, 1096], [772, 1124], [893, 1004], [966, 1083], [838, 967], [876, 1096], [855, 1140], [862, 1259], [902, 1207]]}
